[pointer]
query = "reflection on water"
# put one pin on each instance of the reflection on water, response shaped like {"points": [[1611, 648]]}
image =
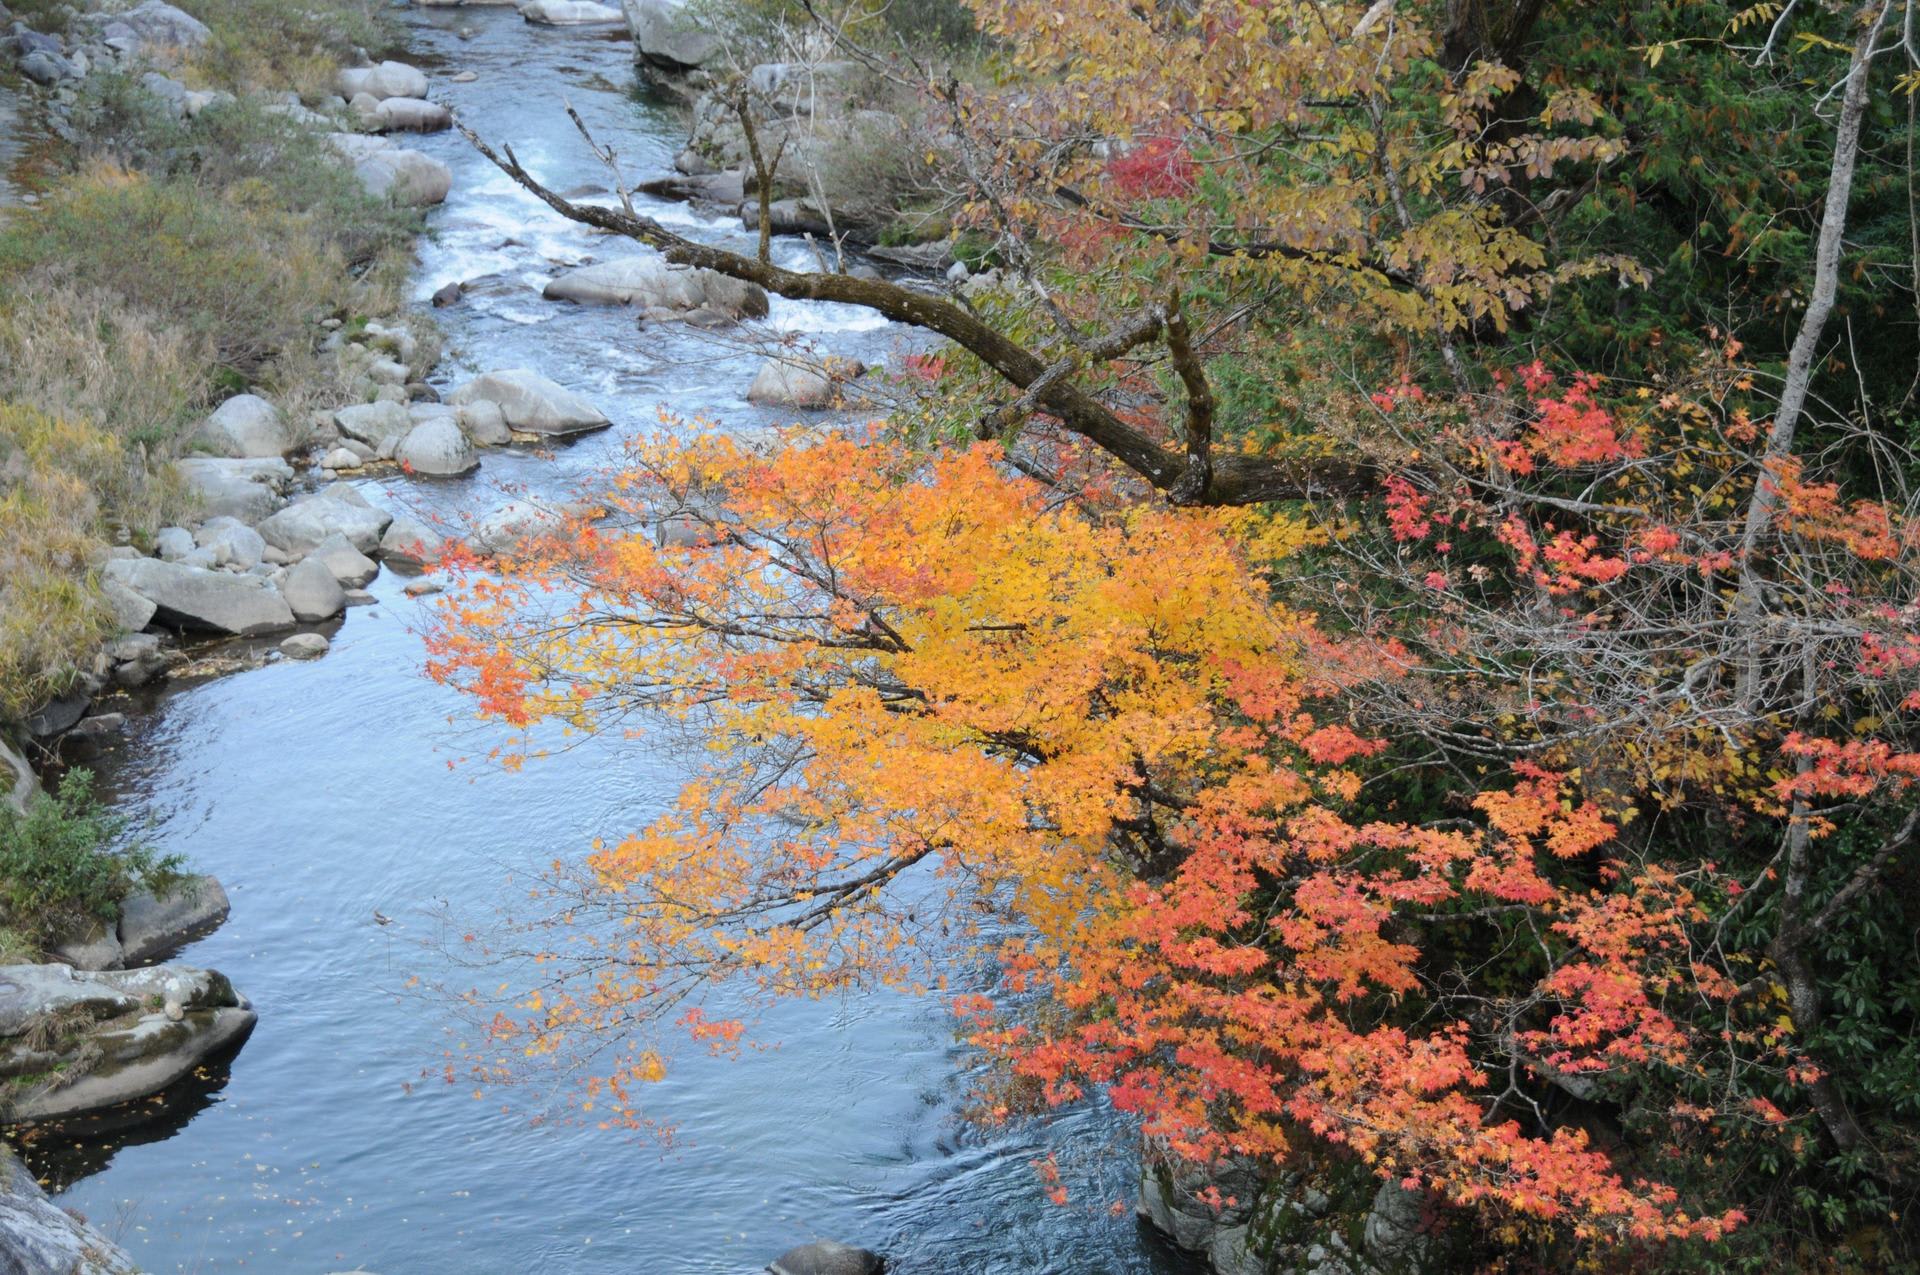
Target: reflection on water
{"points": [[323, 792]]}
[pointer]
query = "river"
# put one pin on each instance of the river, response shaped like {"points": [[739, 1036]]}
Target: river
{"points": [[319, 792]]}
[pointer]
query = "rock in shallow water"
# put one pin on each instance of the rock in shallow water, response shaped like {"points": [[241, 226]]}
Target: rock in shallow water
{"points": [[532, 403], [74, 1042], [305, 646], [312, 592], [196, 598], [828, 1257], [155, 926]]}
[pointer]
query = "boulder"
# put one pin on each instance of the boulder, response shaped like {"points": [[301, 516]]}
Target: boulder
{"points": [[73, 1042], [437, 448], [389, 79], [664, 35], [236, 544], [160, 26], [342, 458], [312, 593], [653, 284], [791, 381], [531, 403], [171, 544], [413, 114], [246, 425], [570, 13], [248, 490], [828, 1257], [380, 426], [38, 1235], [138, 658], [485, 424], [196, 598], [95, 947], [408, 176], [154, 927], [300, 527], [348, 565], [131, 612], [411, 545], [305, 646], [504, 528]]}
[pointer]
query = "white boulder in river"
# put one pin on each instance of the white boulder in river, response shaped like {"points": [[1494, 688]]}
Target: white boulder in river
{"points": [[793, 381], [38, 1235], [531, 403], [246, 425], [312, 593], [389, 79], [380, 426], [198, 598], [654, 285], [74, 1041], [570, 13], [411, 545], [349, 566], [299, 528], [438, 448]]}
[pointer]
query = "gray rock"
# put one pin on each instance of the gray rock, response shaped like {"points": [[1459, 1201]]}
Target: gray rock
{"points": [[794, 381], [1396, 1228], [411, 545], [131, 612], [38, 1235], [245, 489], [47, 68], [532, 403], [95, 947], [388, 372], [154, 927], [312, 593], [437, 448], [485, 424], [195, 598], [161, 27], [407, 176], [570, 13], [378, 425], [665, 36], [446, 295], [121, 1035], [58, 715], [423, 588], [137, 658], [305, 646], [348, 565], [173, 543], [653, 284], [300, 527], [342, 458], [239, 545], [389, 79], [827, 1257], [246, 425], [411, 114], [506, 527], [171, 93]]}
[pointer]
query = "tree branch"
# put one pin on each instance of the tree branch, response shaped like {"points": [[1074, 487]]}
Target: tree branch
{"points": [[1236, 479]]}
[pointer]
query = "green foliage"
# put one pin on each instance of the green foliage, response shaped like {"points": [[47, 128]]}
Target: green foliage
{"points": [[59, 866], [289, 44]]}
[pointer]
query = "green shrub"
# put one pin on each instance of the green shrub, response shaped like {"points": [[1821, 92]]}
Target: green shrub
{"points": [[59, 868]]}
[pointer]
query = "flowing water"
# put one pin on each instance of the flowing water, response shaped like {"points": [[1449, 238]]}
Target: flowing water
{"points": [[320, 792]]}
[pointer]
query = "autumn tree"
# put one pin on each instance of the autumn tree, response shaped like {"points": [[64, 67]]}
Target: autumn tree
{"points": [[1395, 623]]}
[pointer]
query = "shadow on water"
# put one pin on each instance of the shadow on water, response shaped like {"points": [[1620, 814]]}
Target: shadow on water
{"points": [[62, 1153]]}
